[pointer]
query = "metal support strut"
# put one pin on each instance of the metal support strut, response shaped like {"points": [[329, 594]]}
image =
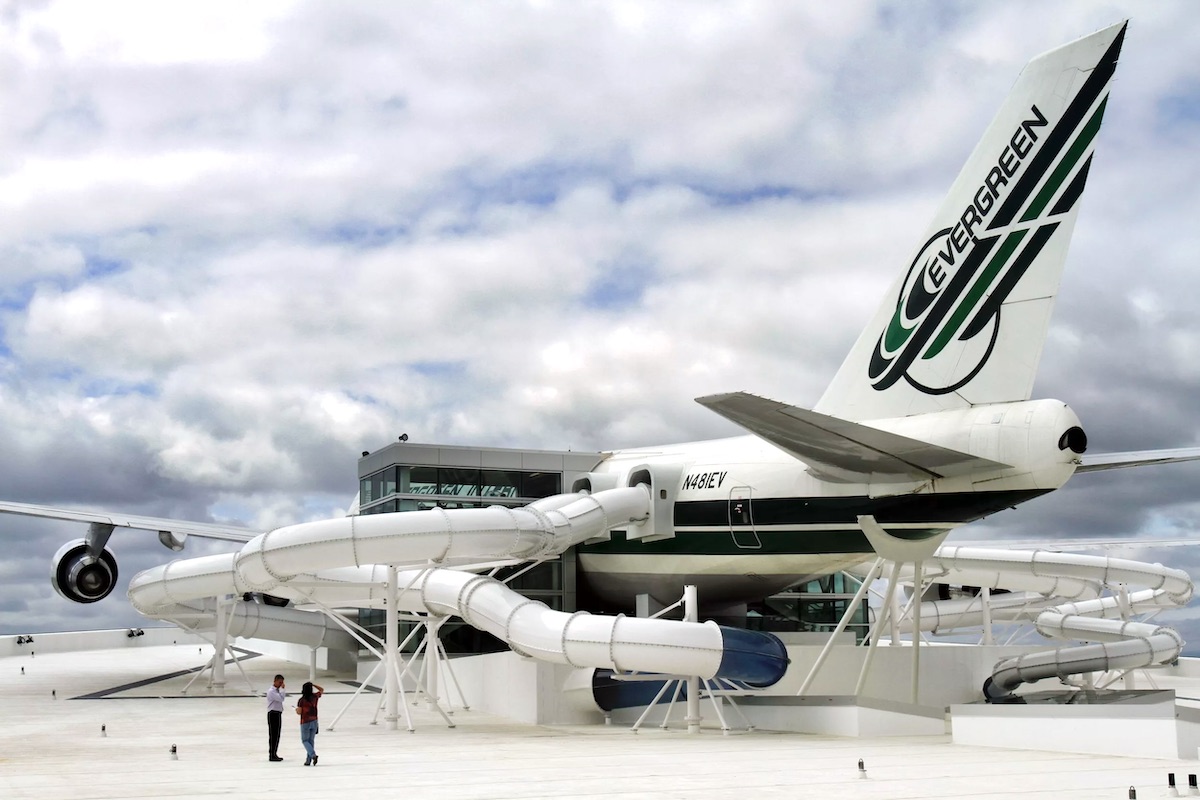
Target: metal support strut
{"points": [[718, 690]]}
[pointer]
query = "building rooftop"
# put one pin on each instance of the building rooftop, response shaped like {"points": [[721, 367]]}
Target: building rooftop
{"points": [[53, 747]]}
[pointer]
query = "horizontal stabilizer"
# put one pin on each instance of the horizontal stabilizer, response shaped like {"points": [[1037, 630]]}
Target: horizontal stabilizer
{"points": [[203, 530], [837, 449], [1138, 458]]}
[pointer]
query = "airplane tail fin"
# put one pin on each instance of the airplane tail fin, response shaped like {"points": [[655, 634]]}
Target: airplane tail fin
{"points": [[965, 323]]}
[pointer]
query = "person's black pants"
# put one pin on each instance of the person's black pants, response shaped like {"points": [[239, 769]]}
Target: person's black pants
{"points": [[274, 726]]}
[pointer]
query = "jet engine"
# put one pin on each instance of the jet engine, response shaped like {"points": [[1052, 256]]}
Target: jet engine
{"points": [[81, 577]]}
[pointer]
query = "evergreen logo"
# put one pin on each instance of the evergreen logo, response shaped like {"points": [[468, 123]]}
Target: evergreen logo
{"points": [[944, 303]]}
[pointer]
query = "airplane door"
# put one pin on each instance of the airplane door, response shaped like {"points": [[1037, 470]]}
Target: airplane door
{"points": [[741, 519]]}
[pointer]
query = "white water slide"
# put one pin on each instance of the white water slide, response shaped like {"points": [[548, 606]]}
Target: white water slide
{"points": [[344, 562], [1063, 595]]}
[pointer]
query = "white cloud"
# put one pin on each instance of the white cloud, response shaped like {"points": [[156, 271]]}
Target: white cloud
{"points": [[144, 32]]}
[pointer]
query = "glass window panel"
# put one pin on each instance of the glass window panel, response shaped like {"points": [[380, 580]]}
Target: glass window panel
{"points": [[377, 486], [540, 484], [458, 481], [500, 483], [423, 480], [364, 491], [389, 481]]}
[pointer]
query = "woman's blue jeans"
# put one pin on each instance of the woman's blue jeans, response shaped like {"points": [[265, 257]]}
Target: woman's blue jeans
{"points": [[308, 732]]}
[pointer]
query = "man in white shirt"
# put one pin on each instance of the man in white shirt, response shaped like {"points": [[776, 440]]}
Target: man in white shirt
{"points": [[275, 697]]}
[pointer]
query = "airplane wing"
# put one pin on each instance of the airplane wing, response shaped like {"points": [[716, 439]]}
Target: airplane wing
{"points": [[1137, 458], [180, 528], [840, 449]]}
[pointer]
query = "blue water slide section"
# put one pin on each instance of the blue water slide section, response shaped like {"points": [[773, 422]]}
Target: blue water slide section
{"points": [[756, 658], [611, 693], [752, 659]]}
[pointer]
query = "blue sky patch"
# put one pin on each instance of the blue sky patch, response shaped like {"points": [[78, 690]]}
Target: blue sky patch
{"points": [[619, 286], [755, 194], [101, 387], [438, 369], [100, 267], [362, 234], [540, 184], [17, 298], [1179, 109]]}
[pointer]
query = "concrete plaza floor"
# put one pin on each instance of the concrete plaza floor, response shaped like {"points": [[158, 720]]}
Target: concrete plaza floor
{"points": [[51, 746]]}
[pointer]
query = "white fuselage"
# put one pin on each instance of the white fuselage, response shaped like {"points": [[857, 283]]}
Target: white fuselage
{"points": [[748, 519]]}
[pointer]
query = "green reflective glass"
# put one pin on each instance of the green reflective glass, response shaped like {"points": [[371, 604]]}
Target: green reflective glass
{"points": [[500, 483], [458, 481], [541, 484], [423, 480]]}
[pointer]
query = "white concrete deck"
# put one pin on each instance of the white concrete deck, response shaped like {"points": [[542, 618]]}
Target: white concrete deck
{"points": [[51, 747]]}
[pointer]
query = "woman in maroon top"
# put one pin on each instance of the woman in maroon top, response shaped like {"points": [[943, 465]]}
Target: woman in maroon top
{"points": [[306, 707]]}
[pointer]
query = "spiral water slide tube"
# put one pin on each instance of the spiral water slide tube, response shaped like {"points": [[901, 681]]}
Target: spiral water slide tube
{"points": [[341, 562], [1061, 593]]}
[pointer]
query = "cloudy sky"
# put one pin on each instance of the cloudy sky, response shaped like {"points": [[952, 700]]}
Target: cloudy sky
{"points": [[242, 243]]}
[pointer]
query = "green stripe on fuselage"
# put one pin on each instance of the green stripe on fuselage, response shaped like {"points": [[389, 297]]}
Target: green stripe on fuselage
{"points": [[721, 543], [811, 525]]}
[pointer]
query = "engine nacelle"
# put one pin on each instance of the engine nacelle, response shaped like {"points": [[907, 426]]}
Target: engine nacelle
{"points": [[79, 577]]}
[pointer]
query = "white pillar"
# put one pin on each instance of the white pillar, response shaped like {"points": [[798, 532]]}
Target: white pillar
{"points": [[220, 639], [918, 580], [433, 626], [1126, 612], [895, 612], [391, 644], [985, 595], [691, 613]]}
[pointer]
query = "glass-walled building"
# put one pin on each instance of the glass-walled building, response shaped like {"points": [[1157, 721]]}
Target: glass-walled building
{"points": [[414, 477]]}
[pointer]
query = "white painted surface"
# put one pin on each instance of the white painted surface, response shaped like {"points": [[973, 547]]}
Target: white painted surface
{"points": [[82, 641], [1152, 730], [52, 748]]}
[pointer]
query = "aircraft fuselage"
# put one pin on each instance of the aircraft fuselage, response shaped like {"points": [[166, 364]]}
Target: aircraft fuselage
{"points": [[748, 519]]}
